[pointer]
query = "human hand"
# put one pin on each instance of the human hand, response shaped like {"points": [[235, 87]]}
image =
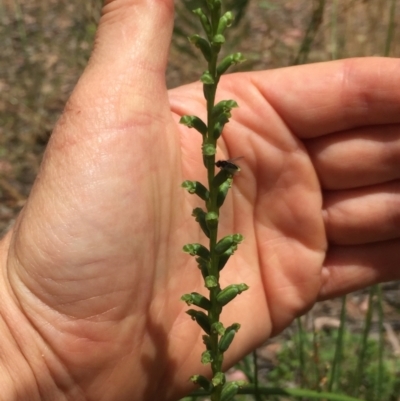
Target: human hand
{"points": [[93, 269]]}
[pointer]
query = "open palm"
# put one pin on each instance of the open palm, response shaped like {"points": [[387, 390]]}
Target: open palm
{"points": [[93, 269]]}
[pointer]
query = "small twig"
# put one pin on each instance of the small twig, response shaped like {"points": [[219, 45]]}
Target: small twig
{"points": [[311, 32]]}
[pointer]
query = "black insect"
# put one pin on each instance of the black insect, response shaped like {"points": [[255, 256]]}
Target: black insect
{"points": [[229, 165]]}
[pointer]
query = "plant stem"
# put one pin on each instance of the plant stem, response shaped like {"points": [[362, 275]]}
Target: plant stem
{"points": [[212, 259], [214, 313]]}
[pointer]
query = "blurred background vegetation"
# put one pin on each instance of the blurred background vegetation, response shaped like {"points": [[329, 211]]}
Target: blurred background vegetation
{"points": [[45, 46]]}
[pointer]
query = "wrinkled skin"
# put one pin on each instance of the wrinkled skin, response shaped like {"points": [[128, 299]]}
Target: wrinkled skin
{"points": [[93, 269]]}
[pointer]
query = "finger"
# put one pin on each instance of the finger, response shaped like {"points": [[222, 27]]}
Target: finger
{"points": [[360, 157], [319, 99], [115, 114], [128, 63], [365, 215], [349, 268], [118, 108]]}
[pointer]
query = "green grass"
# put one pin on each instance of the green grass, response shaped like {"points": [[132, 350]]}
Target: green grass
{"points": [[288, 370]]}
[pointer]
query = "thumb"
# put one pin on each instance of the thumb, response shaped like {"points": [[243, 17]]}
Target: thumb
{"points": [[99, 146], [129, 59]]}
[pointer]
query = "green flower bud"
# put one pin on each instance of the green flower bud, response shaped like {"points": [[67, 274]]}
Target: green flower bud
{"points": [[224, 107], [196, 299], [222, 176], [238, 238], [197, 250], [229, 61], [225, 243], [214, 4], [211, 282], [195, 187], [211, 220], [201, 319], [230, 292], [218, 379], [226, 340], [223, 191], [218, 40], [203, 265], [200, 216], [209, 149], [206, 357], [219, 124], [201, 44], [223, 259], [218, 327], [224, 22], [194, 122], [207, 341], [228, 337], [207, 91], [234, 326], [202, 382], [230, 389], [204, 20], [207, 78]]}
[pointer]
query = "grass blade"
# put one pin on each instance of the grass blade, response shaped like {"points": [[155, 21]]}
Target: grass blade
{"points": [[391, 26], [256, 394], [287, 392], [333, 383], [379, 378], [301, 341], [362, 351], [334, 30], [311, 32]]}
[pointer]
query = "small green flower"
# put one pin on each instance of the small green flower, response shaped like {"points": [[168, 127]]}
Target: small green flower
{"points": [[224, 22], [201, 319], [200, 216], [203, 45], [206, 357], [230, 292], [228, 337], [207, 78], [197, 299], [218, 379], [194, 122], [227, 242], [202, 381], [204, 20], [209, 149], [195, 187], [197, 250], [231, 389], [229, 61], [211, 282]]}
